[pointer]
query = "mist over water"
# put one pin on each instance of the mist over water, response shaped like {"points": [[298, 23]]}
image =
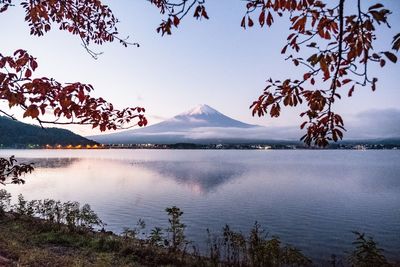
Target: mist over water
{"points": [[310, 199]]}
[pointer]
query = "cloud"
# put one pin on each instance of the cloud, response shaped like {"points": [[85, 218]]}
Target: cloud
{"points": [[371, 124], [256, 133], [187, 120], [156, 117], [384, 123]]}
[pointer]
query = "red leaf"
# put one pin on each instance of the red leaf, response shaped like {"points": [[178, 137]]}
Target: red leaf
{"points": [[176, 21], [261, 18], [392, 57], [33, 64], [250, 22], [28, 73], [243, 23]]}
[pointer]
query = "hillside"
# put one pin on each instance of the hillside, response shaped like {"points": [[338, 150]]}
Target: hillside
{"points": [[17, 134]]}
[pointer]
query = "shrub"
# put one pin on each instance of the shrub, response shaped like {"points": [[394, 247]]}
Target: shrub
{"points": [[20, 207], [156, 237], [135, 233], [88, 218], [5, 201], [31, 208], [367, 252], [71, 214], [176, 229]]}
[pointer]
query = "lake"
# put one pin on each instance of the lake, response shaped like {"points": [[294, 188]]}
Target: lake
{"points": [[310, 199]]}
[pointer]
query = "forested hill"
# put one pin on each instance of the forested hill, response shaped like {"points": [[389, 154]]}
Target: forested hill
{"points": [[17, 134]]}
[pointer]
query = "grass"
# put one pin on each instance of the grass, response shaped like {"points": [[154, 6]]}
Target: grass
{"points": [[28, 241], [34, 242], [51, 233]]}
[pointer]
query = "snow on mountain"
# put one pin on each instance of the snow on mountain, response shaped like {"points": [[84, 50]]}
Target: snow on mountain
{"points": [[203, 124], [200, 110], [200, 116], [185, 127]]}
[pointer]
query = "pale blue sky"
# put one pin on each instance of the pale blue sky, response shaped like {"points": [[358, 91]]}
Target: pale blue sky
{"points": [[214, 62]]}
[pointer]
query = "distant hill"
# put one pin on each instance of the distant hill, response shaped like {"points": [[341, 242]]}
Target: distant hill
{"points": [[17, 134]]}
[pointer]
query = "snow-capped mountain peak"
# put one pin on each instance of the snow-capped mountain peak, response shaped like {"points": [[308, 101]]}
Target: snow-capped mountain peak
{"points": [[202, 109], [180, 128]]}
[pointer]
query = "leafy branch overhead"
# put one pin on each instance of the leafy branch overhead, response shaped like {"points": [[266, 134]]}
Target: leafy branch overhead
{"points": [[47, 100], [176, 11], [90, 20], [336, 49], [72, 101], [336, 46], [339, 48]]}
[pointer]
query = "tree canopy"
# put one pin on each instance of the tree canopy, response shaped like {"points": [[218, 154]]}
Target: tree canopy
{"points": [[69, 103], [333, 41]]}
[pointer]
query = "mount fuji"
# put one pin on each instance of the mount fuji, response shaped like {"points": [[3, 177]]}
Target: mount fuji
{"points": [[202, 124], [205, 125], [200, 116]]}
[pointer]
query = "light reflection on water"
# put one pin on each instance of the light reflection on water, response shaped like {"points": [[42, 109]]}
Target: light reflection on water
{"points": [[311, 199]]}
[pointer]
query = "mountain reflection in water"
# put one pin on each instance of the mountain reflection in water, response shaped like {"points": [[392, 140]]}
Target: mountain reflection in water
{"points": [[45, 163], [310, 199], [201, 177]]}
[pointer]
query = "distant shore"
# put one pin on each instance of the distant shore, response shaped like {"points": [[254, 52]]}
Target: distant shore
{"points": [[183, 146]]}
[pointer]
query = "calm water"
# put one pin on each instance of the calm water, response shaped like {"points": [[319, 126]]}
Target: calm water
{"points": [[311, 199]]}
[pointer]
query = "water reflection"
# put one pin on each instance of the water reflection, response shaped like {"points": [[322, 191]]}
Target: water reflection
{"points": [[201, 177], [311, 199], [49, 163]]}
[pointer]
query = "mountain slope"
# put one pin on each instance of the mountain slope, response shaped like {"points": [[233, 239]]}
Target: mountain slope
{"points": [[200, 116], [15, 134], [183, 128]]}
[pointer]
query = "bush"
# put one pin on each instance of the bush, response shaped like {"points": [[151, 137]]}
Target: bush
{"points": [[229, 248], [176, 229], [20, 207], [5, 201], [156, 237], [367, 252], [88, 218], [71, 214]]}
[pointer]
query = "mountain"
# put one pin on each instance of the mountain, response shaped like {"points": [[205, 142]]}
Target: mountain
{"points": [[17, 134], [202, 124], [200, 116], [205, 125]]}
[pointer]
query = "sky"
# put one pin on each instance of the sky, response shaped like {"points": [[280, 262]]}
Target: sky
{"points": [[212, 62]]}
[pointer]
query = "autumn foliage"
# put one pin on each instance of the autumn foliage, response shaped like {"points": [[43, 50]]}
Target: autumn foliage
{"points": [[337, 48], [90, 20], [332, 40], [175, 11], [71, 101], [49, 101]]}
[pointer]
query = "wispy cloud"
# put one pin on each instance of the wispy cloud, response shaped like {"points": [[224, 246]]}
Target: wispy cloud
{"points": [[256, 133], [365, 125], [384, 123]]}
